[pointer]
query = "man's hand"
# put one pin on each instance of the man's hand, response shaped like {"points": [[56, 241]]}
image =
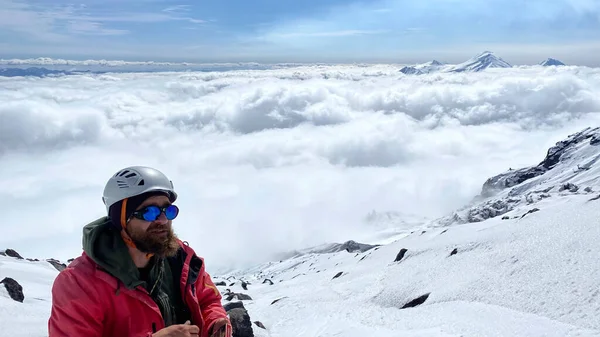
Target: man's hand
{"points": [[179, 330], [221, 328]]}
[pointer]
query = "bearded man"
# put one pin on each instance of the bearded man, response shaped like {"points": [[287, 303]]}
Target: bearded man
{"points": [[135, 277]]}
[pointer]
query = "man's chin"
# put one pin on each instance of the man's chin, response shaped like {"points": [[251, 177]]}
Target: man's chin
{"points": [[166, 246]]}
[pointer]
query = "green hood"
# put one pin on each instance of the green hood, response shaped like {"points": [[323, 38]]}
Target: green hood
{"points": [[103, 244]]}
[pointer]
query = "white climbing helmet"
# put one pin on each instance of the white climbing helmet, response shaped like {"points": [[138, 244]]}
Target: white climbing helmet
{"points": [[136, 180]]}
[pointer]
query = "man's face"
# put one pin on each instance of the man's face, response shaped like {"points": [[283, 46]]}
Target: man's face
{"points": [[156, 237]]}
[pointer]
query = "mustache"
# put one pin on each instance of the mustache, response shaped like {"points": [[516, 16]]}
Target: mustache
{"points": [[158, 228]]}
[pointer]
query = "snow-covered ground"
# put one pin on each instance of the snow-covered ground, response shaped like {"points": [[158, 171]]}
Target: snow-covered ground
{"points": [[535, 276], [27, 319]]}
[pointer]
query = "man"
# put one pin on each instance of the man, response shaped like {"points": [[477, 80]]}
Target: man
{"points": [[135, 278]]}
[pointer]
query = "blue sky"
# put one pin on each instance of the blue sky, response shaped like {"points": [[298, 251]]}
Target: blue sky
{"points": [[520, 31]]}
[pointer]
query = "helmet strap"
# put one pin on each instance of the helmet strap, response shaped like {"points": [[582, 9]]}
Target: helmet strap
{"points": [[124, 233]]}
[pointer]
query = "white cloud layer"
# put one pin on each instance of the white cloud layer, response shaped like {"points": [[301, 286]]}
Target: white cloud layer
{"points": [[274, 160]]}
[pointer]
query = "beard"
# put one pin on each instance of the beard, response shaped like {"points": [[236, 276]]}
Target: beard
{"points": [[148, 241]]}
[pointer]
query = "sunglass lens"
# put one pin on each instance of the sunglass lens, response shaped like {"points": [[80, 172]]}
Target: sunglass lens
{"points": [[171, 212], [151, 213]]}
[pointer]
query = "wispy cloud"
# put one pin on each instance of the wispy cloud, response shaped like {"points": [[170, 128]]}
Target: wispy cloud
{"points": [[93, 28], [339, 33], [59, 22], [177, 9]]}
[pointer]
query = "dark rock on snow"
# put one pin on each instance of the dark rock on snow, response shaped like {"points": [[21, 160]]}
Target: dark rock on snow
{"points": [[337, 275], [268, 280], [530, 211], [233, 305], [400, 255], [454, 252], [259, 324], [244, 285], [569, 186], [349, 246], [416, 302], [221, 284], [15, 290], [57, 264], [240, 322], [239, 296], [277, 300], [13, 253]]}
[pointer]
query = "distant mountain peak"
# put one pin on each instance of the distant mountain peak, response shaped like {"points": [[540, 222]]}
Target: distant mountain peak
{"points": [[482, 61], [409, 70], [551, 62]]}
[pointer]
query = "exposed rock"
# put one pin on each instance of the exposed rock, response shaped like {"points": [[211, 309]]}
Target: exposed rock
{"points": [[233, 305], [13, 253], [416, 302], [277, 300], [506, 217], [509, 179], [595, 198], [221, 284], [32, 260], [454, 251], [588, 190], [239, 296], [570, 187], [241, 323], [530, 211], [490, 209], [57, 264], [337, 275], [260, 325], [15, 290], [400, 254], [244, 285], [553, 157], [268, 280], [349, 246]]}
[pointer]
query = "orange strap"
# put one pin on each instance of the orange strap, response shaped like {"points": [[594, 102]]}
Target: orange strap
{"points": [[124, 235]]}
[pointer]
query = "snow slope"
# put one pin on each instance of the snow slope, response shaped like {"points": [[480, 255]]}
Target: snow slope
{"points": [[27, 319], [536, 276], [520, 274]]}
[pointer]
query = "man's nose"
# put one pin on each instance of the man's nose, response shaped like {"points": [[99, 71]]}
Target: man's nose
{"points": [[162, 218]]}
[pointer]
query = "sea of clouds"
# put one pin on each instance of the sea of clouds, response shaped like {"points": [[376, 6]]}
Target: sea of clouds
{"points": [[267, 161]]}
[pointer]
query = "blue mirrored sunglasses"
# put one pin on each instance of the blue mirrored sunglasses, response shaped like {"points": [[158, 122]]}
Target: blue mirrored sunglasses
{"points": [[151, 213]]}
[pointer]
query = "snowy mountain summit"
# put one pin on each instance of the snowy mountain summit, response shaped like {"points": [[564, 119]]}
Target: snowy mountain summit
{"points": [[483, 61], [551, 62]]}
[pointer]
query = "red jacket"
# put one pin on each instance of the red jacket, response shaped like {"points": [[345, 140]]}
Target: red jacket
{"points": [[88, 302]]}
